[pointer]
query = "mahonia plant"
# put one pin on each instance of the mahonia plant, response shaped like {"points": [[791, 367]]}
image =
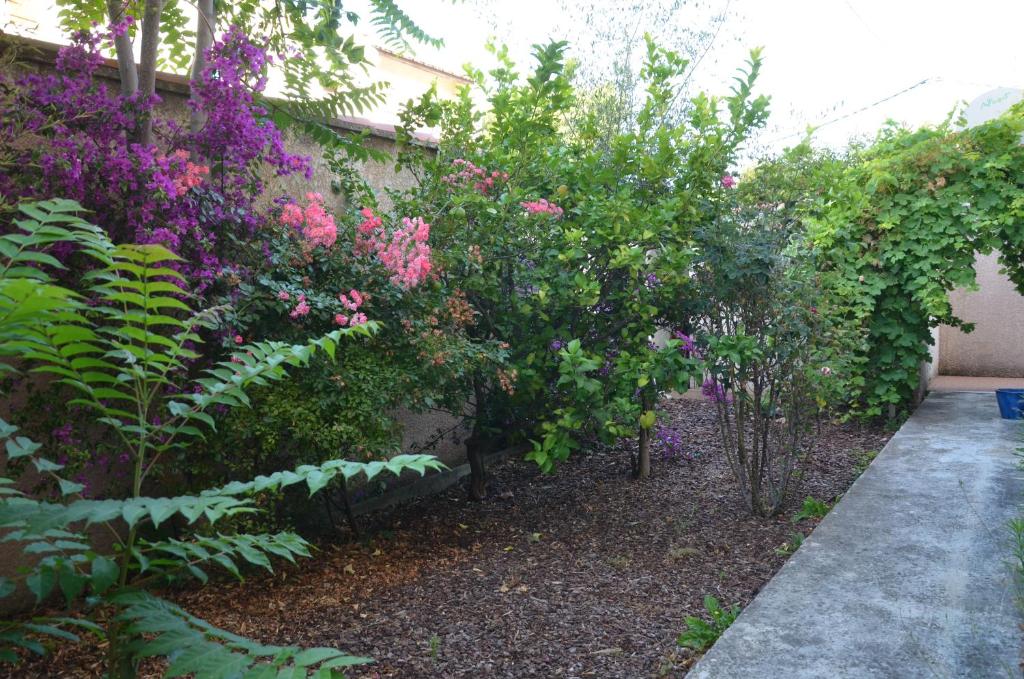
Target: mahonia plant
{"points": [[121, 344]]}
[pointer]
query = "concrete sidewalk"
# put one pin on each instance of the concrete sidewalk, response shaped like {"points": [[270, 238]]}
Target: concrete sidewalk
{"points": [[908, 576]]}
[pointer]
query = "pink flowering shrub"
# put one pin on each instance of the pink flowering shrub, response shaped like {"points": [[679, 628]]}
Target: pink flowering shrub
{"points": [[404, 252], [313, 222], [467, 174]]}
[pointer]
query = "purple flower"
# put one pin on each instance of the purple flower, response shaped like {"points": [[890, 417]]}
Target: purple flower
{"points": [[728, 181], [62, 435], [671, 444], [164, 193], [556, 345], [688, 346], [713, 391]]}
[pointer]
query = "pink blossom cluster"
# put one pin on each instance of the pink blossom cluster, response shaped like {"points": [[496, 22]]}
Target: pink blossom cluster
{"points": [[352, 301], [541, 207], [191, 173], [728, 181], [469, 174], [317, 225], [301, 309], [404, 252]]}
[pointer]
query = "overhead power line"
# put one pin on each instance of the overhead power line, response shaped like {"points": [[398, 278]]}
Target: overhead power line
{"points": [[860, 110]]}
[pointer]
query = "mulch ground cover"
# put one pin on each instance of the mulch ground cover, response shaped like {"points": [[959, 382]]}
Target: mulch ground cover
{"points": [[584, 573]]}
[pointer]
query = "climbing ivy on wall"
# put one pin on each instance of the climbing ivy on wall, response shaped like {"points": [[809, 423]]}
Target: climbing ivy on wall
{"points": [[897, 225]]}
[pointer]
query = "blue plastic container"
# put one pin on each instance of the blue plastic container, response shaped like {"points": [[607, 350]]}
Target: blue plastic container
{"points": [[1010, 403]]}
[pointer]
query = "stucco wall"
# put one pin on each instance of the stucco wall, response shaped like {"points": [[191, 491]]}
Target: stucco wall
{"points": [[996, 347]]}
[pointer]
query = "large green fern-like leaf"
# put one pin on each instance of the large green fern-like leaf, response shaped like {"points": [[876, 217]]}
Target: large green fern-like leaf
{"points": [[197, 648]]}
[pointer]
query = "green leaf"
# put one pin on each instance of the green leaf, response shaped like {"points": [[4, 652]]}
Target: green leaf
{"points": [[40, 582], [69, 487], [104, 574], [21, 446]]}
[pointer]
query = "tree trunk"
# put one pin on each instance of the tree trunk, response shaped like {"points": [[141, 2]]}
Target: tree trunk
{"points": [[123, 48], [643, 462], [475, 447], [350, 515], [147, 65], [477, 470], [206, 25]]}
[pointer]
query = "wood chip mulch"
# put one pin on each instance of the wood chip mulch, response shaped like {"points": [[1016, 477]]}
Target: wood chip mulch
{"points": [[584, 573]]}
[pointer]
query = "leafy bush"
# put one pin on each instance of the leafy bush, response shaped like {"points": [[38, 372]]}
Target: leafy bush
{"points": [[768, 344], [122, 344], [575, 252], [896, 225]]}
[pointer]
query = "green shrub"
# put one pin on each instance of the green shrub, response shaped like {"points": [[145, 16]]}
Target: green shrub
{"points": [[122, 343]]}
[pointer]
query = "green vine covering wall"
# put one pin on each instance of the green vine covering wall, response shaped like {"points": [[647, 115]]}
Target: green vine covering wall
{"points": [[897, 225]]}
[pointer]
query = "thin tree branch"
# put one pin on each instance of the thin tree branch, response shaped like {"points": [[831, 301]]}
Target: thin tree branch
{"points": [[123, 47]]}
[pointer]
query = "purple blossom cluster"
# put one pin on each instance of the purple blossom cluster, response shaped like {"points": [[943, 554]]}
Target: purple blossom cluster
{"points": [[69, 135], [714, 391], [688, 345], [670, 444]]}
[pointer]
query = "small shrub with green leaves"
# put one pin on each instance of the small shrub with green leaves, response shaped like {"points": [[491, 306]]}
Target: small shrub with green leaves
{"points": [[768, 347], [700, 634], [574, 248], [791, 545], [122, 343], [812, 509]]}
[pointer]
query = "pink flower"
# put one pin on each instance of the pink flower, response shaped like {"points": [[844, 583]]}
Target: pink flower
{"points": [[284, 296], [341, 319], [317, 225], [540, 207], [728, 181], [404, 252], [357, 319], [239, 339], [301, 309], [291, 215]]}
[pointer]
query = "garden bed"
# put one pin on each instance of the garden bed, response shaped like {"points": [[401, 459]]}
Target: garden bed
{"points": [[585, 573]]}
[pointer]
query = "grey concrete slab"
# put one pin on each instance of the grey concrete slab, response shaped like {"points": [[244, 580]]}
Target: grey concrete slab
{"points": [[909, 575]]}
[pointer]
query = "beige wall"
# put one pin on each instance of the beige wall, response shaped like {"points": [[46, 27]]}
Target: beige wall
{"points": [[996, 347]]}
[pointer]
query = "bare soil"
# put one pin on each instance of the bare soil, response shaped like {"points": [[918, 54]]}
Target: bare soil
{"points": [[584, 573]]}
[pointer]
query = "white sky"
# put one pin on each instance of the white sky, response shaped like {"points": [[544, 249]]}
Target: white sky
{"points": [[823, 58]]}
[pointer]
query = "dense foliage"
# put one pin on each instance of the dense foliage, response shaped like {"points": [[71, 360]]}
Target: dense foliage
{"points": [[896, 226], [550, 276], [573, 249], [121, 343]]}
